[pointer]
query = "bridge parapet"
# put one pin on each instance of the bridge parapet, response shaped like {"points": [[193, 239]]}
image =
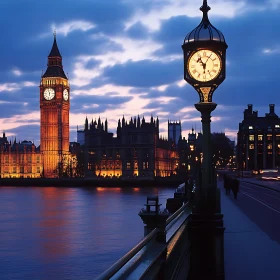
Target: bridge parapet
{"points": [[155, 257]]}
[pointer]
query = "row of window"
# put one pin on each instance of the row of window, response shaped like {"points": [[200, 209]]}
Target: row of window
{"points": [[21, 169], [276, 126], [269, 146], [260, 137], [144, 166], [21, 159]]}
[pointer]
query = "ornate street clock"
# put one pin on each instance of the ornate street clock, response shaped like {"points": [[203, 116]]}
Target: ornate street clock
{"points": [[204, 57], [205, 69]]}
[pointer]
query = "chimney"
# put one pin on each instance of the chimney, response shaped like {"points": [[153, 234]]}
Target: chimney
{"points": [[271, 109]]}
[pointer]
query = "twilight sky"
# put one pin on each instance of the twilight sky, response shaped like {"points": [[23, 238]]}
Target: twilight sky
{"points": [[124, 57]]}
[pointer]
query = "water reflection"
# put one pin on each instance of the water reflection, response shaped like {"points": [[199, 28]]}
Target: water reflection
{"points": [[68, 233], [55, 217]]}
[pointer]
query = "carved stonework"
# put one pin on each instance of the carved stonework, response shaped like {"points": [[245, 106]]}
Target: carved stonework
{"points": [[205, 92]]}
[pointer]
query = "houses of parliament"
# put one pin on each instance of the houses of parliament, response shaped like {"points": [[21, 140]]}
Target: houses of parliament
{"points": [[136, 150]]}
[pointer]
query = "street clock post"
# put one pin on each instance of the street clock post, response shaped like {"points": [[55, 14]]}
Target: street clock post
{"points": [[205, 69]]}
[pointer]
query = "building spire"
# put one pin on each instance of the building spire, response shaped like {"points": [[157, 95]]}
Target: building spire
{"points": [[54, 51], [55, 68]]}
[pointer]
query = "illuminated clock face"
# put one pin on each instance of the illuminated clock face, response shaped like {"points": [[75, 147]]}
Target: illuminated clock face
{"points": [[65, 95], [204, 65], [49, 93]]}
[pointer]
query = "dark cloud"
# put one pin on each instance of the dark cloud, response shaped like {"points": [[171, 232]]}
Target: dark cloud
{"points": [[144, 73], [82, 104]]}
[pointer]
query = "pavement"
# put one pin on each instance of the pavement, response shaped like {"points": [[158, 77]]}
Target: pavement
{"points": [[248, 251], [273, 185]]}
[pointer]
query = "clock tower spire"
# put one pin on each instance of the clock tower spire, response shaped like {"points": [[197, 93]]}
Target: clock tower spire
{"points": [[54, 108]]}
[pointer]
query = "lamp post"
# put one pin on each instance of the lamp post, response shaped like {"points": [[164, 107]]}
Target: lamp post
{"points": [[205, 68]]}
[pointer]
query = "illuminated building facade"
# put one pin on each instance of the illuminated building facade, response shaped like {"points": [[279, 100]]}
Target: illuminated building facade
{"points": [[258, 140], [54, 108], [19, 160], [136, 151]]}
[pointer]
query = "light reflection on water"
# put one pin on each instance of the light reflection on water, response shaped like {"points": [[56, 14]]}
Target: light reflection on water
{"points": [[68, 233]]}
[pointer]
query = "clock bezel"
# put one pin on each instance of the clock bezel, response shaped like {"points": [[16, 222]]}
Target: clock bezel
{"points": [[48, 99], [194, 52]]}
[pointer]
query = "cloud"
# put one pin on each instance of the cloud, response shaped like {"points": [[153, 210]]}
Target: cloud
{"points": [[70, 26], [153, 18], [9, 87], [17, 72], [270, 51]]}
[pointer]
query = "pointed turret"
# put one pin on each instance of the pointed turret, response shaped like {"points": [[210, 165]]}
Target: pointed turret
{"points": [[143, 120], [55, 68], [152, 119], [99, 123], [106, 125], [86, 123], [123, 121], [138, 121]]}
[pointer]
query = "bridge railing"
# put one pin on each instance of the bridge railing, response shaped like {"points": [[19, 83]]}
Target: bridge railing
{"points": [[155, 257]]}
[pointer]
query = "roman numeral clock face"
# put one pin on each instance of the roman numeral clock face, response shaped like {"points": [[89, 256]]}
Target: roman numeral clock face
{"points": [[204, 65]]}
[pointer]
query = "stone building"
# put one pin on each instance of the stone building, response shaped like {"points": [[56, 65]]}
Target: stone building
{"points": [[19, 159], [258, 140], [136, 151]]}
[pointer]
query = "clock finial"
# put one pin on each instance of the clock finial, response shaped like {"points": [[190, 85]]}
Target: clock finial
{"points": [[205, 9]]}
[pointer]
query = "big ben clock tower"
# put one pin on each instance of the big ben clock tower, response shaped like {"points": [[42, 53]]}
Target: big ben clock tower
{"points": [[54, 107]]}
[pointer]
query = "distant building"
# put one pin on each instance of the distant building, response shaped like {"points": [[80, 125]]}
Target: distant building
{"points": [[136, 151], [19, 159], [258, 140], [174, 131], [190, 154]]}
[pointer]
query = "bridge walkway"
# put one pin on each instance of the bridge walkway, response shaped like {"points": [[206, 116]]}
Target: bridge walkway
{"points": [[248, 251]]}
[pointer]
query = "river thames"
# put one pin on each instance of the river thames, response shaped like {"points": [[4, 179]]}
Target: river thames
{"points": [[68, 233]]}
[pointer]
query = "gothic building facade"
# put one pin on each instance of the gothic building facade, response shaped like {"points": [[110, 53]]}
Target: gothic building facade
{"points": [[136, 151], [19, 159], [258, 140]]}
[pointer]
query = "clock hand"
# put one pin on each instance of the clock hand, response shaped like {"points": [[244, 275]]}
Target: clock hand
{"points": [[208, 58], [204, 64]]}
